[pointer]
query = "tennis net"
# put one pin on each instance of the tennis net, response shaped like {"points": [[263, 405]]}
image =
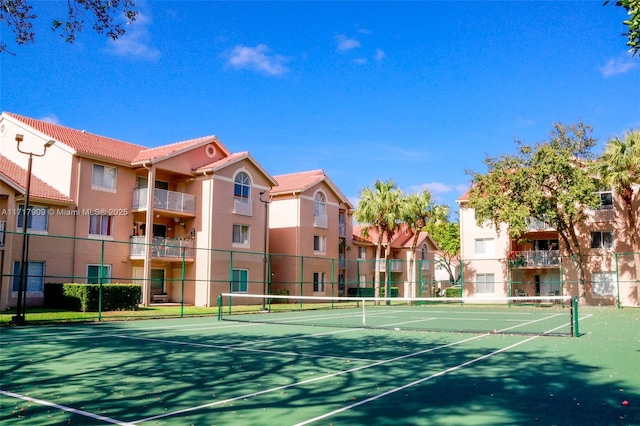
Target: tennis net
{"points": [[552, 315]]}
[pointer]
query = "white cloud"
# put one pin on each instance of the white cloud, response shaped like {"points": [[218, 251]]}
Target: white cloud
{"points": [[346, 43], [50, 118], [258, 59], [137, 41], [433, 187], [360, 61], [380, 55], [617, 66]]}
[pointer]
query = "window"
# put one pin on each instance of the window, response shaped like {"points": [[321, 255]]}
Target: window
{"points": [[318, 282], [602, 240], [35, 277], [484, 246], [93, 274], [104, 177], [242, 187], [241, 234], [239, 280], [319, 243], [424, 254], [37, 218], [100, 225], [319, 205], [604, 283], [485, 284], [362, 252], [606, 200]]}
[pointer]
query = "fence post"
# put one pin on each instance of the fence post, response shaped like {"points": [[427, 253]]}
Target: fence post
{"points": [[182, 281], [101, 280], [576, 329]]}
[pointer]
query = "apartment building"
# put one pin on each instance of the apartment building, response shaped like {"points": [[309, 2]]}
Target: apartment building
{"points": [[538, 263], [167, 217], [310, 226], [409, 268]]}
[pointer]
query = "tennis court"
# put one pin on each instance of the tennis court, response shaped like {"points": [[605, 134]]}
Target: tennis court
{"points": [[203, 371]]}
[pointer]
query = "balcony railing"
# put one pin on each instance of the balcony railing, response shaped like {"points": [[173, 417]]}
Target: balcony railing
{"points": [[534, 259], [164, 200], [320, 221], [603, 214], [242, 206], [2, 226], [394, 264], [162, 247]]}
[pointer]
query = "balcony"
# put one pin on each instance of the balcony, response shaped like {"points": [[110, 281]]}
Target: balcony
{"points": [[162, 248], [395, 265], [534, 259], [2, 226], [177, 202], [603, 214], [242, 206], [320, 221]]}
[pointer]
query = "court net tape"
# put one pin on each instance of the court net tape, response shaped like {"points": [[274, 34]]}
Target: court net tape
{"points": [[539, 315]]}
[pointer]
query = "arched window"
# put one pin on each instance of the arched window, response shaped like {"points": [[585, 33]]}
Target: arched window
{"points": [[242, 187], [320, 205], [425, 252]]}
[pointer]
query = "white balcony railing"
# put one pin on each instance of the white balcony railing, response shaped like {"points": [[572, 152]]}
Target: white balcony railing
{"points": [[243, 206], [394, 264], [162, 247], [534, 258], [320, 221], [2, 226], [165, 200], [603, 214]]}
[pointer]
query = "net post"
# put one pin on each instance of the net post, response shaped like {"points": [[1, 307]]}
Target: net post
{"points": [[575, 331], [364, 314], [219, 307]]}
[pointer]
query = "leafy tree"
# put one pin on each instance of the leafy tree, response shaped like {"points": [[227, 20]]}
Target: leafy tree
{"points": [[619, 168], [633, 23], [447, 235], [380, 208], [101, 15], [548, 181], [418, 211]]}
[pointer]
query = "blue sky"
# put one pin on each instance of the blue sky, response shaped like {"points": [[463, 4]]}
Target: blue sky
{"points": [[417, 92]]}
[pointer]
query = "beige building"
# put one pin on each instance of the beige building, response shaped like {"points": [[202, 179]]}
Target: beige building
{"points": [[409, 268], [167, 217], [495, 265], [310, 223]]}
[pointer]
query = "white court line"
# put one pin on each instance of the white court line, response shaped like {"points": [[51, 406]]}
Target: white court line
{"points": [[314, 379], [238, 348], [66, 408], [424, 379], [416, 382]]}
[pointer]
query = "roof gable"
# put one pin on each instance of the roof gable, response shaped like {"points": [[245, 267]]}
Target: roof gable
{"points": [[16, 177], [82, 141], [302, 181]]}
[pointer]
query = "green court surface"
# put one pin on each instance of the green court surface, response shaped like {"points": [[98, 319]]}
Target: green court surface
{"points": [[201, 371]]}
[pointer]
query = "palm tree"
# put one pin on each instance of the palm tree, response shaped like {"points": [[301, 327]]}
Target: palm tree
{"points": [[417, 211], [379, 208], [619, 169]]}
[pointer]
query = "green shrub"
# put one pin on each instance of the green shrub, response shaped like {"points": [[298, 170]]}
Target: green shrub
{"points": [[280, 292], [85, 297], [453, 292]]}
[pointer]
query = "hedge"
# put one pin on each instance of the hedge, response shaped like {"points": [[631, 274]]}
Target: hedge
{"points": [[453, 292], [84, 297]]}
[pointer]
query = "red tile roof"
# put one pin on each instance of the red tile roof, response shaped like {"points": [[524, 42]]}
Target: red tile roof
{"points": [[84, 142], [16, 176], [301, 181], [298, 181], [151, 154]]}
